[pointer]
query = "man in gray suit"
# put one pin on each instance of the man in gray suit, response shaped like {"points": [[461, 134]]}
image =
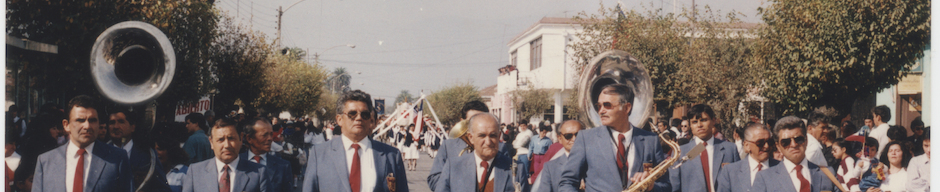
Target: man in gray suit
{"points": [[790, 133], [451, 148], [82, 165], [258, 134], [354, 162], [613, 156], [225, 172], [739, 176], [549, 179], [692, 176], [486, 170]]}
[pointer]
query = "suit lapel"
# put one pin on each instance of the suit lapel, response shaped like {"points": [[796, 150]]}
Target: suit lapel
{"points": [[744, 171], [211, 170], [604, 139], [59, 164], [502, 177], [338, 159], [96, 167], [719, 156], [241, 176], [382, 168], [816, 177], [639, 145], [783, 178]]}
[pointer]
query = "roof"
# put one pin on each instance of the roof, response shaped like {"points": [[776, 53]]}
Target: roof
{"points": [[547, 21], [488, 91]]}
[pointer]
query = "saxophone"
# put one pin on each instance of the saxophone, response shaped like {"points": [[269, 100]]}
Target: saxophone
{"points": [[659, 170]]}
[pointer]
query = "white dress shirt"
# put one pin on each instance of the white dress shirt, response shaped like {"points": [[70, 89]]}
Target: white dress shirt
{"points": [[251, 157], [480, 169], [127, 147], [522, 142], [628, 145], [231, 172], [711, 158], [894, 182], [71, 161], [13, 161], [753, 167], [918, 172], [791, 169], [740, 144], [366, 162], [814, 152]]}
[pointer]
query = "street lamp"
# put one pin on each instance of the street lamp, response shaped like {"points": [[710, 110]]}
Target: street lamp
{"points": [[317, 55]]}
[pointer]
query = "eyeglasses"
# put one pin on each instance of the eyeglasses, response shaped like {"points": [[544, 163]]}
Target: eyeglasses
{"points": [[568, 136], [799, 141], [763, 144], [607, 105], [365, 115]]}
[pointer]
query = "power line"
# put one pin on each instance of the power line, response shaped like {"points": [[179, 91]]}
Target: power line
{"points": [[420, 48]]}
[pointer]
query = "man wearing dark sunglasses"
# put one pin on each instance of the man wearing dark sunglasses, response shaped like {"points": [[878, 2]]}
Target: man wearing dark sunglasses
{"points": [[700, 174], [355, 162], [551, 173], [794, 173], [613, 156], [739, 176]]}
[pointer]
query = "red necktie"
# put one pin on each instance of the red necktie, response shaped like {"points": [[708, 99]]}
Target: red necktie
{"points": [[621, 154], [78, 183], [223, 182], [354, 172], [483, 178], [258, 159], [759, 166], [804, 184], [705, 164]]}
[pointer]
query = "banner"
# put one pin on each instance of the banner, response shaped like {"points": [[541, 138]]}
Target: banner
{"points": [[182, 109]]}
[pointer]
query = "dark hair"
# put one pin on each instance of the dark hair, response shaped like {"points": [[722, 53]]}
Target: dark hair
{"points": [[198, 119], [83, 101], [926, 136], [697, 110], [473, 105], [13, 108], [222, 123], [623, 90], [883, 111], [848, 128], [131, 117], [175, 154], [897, 133], [816, 118], [905, 151], [788, 123], [355, 95], [675, 122], [544, 127], [917, 122], [248, 126], [850, 146], [871, 142]]}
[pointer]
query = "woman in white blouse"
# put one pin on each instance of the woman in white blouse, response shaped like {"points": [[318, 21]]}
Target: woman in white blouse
{"points": [[896, 158]]}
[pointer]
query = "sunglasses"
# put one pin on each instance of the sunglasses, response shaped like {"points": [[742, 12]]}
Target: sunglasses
{"points": [[799, 141], [568, 136], [763, 143], [365, 115], [607, 105]]}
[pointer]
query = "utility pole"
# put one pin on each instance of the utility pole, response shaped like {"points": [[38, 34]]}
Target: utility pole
{"points": [[280, 13]]}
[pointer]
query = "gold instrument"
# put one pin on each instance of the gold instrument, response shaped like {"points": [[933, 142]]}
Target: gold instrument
{"points": [[619, 67], [460, 131], [132, 63]]}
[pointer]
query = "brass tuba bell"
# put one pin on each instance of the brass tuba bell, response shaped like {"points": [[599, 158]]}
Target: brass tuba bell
{"points": [[615, 67], [132, 62]]}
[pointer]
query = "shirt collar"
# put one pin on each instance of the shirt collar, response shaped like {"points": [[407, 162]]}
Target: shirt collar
{"points": [[627, 135], [363, 144], [710, 141], [251, 155], [753, 163], [790, 165], [73, 148], [478, 160], [219, 165]]}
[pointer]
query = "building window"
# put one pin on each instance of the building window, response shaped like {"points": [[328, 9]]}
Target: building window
{"points": [[513, 58], [535, 54]]}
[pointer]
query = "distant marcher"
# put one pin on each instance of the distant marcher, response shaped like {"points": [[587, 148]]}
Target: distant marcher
{"points": [[197, 146]]}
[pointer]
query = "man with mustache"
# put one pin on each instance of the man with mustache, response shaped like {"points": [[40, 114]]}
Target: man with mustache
{"points": [[226, 172], [355, 162], [794, 173], [486, 170], [615, 155], [739, 176], [258, 136], [82, 156]]}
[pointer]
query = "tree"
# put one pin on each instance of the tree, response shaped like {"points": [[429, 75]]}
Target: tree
{"points": [[820, 52], [531, 102], [404, 96], [291, 85], [711, 67], [339, 80], [449, 100], [239, 59]]}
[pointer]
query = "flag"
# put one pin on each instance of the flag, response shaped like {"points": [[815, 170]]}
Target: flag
{"points": [[419, 118]]}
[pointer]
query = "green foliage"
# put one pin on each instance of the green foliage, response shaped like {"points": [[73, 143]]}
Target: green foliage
{"points": [[239, 59], [448, 101], [339, 80], [291, 85], [404, 96], [531, 102], [819, 52], [705, 59]]}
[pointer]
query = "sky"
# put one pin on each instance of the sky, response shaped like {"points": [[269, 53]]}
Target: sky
{"points": [[424, 45]]}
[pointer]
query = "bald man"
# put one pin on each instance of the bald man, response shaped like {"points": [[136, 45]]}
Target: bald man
{"points": [[485, 170], [549, 179]]}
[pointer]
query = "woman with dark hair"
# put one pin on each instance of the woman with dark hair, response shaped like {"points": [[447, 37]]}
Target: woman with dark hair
{"points": [[174, 161], [845, 172], [41, 134], [896, 157]]}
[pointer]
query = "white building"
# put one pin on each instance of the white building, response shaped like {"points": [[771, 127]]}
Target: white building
{"points": [[540, 58]]}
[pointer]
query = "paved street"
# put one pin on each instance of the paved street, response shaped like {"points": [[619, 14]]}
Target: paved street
{"points": [[418, 179]]}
